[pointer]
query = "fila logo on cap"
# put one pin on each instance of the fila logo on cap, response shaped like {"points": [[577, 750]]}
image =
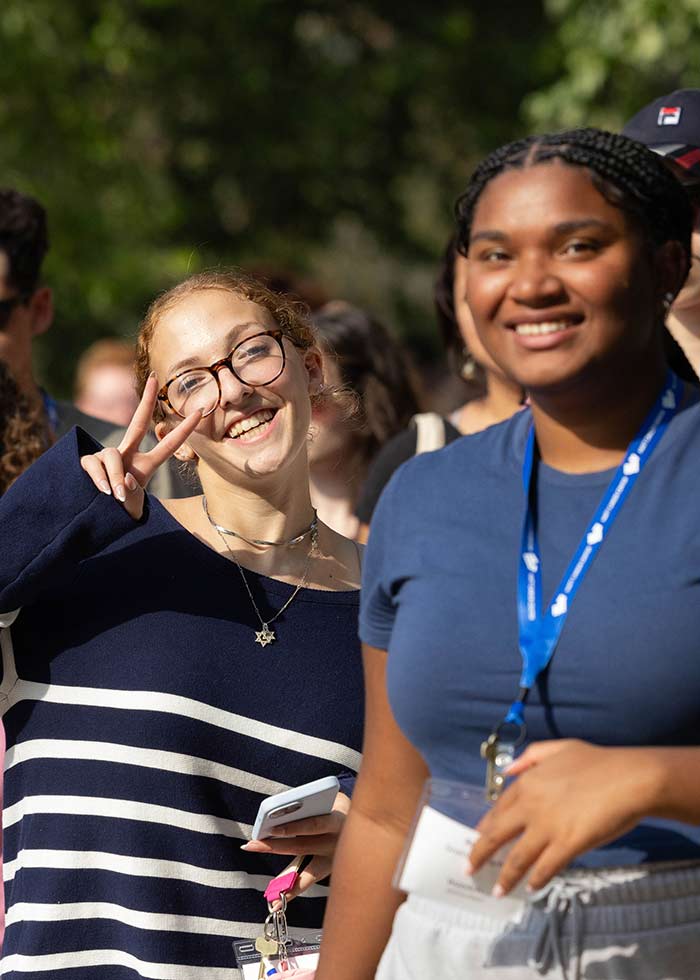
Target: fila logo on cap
{"points": [[669, 115]]}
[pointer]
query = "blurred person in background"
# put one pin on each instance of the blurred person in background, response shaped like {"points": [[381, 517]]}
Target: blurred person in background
{"points": [[361, 356], [105, 385], [27, 312], [23, 430], [670, 126], [496, 399]]}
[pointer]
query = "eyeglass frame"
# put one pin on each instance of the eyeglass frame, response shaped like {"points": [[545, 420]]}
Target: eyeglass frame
{"points": [[227, 361]]}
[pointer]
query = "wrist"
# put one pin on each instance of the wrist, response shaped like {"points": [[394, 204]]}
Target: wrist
{"points": [[667, 786]]}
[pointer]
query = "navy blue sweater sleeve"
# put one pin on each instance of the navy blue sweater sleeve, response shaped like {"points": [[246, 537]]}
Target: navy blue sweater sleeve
{"points": [[51, 519]]}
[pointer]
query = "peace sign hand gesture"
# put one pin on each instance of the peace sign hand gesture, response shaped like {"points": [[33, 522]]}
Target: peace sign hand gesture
{"points": [[125, 471]]}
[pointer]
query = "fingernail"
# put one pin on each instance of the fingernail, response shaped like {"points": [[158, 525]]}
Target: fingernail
{"points": [[152, 375], [245, 847], [469, 870], [130, 482], [498, 891], [119, 493], [104, 487]]}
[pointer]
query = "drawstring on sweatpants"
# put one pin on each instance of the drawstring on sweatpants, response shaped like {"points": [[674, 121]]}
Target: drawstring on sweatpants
{"points": [[562, 899]]}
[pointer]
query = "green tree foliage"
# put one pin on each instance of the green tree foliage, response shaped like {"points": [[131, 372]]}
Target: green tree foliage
{"points": [[615, 56], [328, 138]]}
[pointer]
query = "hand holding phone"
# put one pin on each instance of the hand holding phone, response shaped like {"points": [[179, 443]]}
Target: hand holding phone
{"points": [[302, 829], [310, 800]]}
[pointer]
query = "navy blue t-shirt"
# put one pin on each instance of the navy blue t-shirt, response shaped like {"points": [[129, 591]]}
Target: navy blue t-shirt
{"points": [[439, 593]]}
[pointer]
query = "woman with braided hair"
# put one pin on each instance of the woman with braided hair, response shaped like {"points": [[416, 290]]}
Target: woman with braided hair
{"points": [[546, 607]]}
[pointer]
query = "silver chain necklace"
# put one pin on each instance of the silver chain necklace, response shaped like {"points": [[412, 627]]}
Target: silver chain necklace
{"points": [[265, 635], [260, 542]]}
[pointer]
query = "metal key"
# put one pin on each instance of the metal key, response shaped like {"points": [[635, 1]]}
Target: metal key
{"points": [[266, 947]]}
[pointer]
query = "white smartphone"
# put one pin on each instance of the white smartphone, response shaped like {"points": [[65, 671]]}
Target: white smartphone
{"points": [[310, 800]]}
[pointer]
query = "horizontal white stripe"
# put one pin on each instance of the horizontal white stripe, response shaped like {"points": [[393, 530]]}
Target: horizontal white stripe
{"points": [[30, 912], [8, 618], [142, 867], [98, 806], [112, 957], [199, 924], [174, 704], [129, 755]]}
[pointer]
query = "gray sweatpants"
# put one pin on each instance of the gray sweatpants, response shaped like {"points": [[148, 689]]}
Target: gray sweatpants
{"points": [[613, 924]]}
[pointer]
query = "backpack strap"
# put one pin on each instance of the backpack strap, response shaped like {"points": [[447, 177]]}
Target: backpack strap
{"points": [[430, 428]]}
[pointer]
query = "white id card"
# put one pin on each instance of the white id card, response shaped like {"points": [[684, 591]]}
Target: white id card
{"points": [[303, 959], [435, 859]]}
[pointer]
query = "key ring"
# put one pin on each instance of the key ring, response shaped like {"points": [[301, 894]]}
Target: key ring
{"points": [[271, 902]]}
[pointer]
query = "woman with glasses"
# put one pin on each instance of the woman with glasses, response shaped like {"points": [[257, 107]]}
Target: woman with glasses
{"points": [[166, 666], [547, 609]]}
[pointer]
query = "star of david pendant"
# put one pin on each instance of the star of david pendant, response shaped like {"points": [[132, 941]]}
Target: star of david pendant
{"points": [[265, 636]]}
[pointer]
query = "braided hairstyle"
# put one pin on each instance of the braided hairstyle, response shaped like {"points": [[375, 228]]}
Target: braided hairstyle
{"points": [[627, 174]]}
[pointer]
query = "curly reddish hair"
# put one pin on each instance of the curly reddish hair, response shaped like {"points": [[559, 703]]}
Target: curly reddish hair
{"points": [[24, 430]]}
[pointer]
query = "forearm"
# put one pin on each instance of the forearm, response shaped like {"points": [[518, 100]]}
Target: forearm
{"points": [[362, 903], [671, 778]]}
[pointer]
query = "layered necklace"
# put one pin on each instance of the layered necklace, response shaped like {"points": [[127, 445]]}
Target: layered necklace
{"points": [[265, 635]]}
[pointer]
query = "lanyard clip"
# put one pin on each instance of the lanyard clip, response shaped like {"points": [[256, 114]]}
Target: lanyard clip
{"points": [[498, 755]]}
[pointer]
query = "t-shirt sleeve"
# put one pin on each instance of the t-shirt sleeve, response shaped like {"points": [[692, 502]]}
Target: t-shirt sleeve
{"points": [[377, 606], [51, 519], [389, 458]]}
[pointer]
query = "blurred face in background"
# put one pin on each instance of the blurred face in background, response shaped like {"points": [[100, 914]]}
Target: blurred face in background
{"points": [[108, 393], [330, 436], [689, 296], [21, 320]]}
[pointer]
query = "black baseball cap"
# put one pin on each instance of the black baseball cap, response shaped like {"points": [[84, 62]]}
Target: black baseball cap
{"points": [[670, 125]]}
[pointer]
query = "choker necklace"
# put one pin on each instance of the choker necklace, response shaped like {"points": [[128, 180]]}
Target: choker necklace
{"points": [[260, 542]]}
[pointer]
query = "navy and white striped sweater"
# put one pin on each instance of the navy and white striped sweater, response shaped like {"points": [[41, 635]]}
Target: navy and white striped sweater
{"points": [[144, 726]]}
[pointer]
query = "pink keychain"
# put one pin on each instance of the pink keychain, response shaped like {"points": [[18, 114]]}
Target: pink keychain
{"points": [[276, 896], [281, 885]]}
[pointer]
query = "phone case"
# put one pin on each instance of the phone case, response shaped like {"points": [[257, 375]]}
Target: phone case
{"points": [[310, 800]]}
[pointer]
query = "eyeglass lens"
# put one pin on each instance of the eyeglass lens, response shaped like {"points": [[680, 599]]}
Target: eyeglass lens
{"points": [[256, 361]]}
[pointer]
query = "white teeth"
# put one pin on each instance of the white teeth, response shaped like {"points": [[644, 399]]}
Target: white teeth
{"points": [[538, 329], [238, 428]]}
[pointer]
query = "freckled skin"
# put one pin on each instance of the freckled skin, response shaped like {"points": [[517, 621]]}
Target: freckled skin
{"points": [[206, 326]]}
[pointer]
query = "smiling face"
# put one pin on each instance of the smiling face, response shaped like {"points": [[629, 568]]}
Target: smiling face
{"points": [[254, 432], [559, 283]]}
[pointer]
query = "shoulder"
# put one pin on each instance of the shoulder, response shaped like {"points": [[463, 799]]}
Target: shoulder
{"points": [[496, 452], [340, 567], [104, 432]]}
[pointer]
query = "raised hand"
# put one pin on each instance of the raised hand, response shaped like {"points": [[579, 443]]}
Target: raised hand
{"points": [[315, 835], [125, 471]]}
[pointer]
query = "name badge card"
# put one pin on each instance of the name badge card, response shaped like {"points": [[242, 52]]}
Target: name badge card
{"points": [[303, 959], [435, 859]]}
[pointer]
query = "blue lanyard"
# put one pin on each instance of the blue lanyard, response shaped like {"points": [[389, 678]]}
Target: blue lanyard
{"points": [[539, 633]]}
